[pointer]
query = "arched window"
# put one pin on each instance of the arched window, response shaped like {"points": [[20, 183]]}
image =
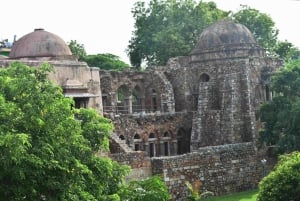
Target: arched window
{"points": [[136, 96], [122, 99], [152, 147], [166, 143], [204, 77], [152, 135], [183, 141], [137, 142]]}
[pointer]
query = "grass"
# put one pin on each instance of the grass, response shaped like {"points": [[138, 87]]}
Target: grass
{"points": [[243, 196]]}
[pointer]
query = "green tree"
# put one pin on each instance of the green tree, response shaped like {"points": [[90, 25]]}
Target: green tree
{"points": [[287, 51], [151, 189], [47, 153], [281, 116], [106, 62], [260, 24], [283, 183], [168, 28], [77, 49]]}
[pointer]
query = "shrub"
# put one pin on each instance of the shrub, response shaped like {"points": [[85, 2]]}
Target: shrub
{"points": [[283, 183]]}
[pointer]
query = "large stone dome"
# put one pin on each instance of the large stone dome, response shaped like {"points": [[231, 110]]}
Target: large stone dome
{"points": [[40, 43], [223, 34]]}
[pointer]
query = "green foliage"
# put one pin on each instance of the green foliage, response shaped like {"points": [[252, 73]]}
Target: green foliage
{"points": [[151, 189], [260, 24], [287, 51], [195, 195], [281, 116], [283, 183], [106, 62], [168, 28], [77, 49], [47, 153]]}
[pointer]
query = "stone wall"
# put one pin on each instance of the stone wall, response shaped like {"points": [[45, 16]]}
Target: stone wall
{"points": [[220, 169], [136, 131], [138, 161]]}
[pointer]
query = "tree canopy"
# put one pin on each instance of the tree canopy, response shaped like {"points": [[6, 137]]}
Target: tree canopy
{"points": [[260, 24], [281, 115], [168, 28], [106, 62], [103, 61], [77, 49], [47, 153], [287, 51]]}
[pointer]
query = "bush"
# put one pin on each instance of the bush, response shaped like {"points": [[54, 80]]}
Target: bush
{"points": [[283, 183]]}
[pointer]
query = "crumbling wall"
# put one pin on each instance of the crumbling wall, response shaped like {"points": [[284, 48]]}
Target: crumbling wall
{"points": [[220, 169]]}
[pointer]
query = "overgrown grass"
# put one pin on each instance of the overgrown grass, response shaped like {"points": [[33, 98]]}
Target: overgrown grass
{"points": [[243, 196]]}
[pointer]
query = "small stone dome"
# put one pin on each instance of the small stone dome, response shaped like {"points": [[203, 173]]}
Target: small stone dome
{"points": [[224, 33], [39, 43]]}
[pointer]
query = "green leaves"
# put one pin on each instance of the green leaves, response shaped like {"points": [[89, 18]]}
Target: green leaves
{"points": [[77, 49], [105, 62], [47, 153], [283, 183], [48, 150], [151, 189], [168, 28], [281, 116], [260, 24]]}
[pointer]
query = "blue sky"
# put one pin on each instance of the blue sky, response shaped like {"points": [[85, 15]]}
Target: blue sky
{"points": [[105, 26]]}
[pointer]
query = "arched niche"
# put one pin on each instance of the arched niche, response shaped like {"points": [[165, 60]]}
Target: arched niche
{"points": [[183, 141], [204, 77], [137, 99]]}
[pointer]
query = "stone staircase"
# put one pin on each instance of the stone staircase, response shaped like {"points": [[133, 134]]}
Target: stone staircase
{"points": [[121, 143]]}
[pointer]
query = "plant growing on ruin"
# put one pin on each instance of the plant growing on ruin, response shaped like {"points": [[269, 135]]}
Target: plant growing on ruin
{"points": [[194, 191], [151, 189]]}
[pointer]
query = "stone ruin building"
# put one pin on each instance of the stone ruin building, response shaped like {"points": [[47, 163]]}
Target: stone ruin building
{"points": [[195, 119]]}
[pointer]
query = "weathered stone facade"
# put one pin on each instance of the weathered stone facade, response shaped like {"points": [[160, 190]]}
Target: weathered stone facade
{"points": [[203, 121], [77, 80], [197, 118]]}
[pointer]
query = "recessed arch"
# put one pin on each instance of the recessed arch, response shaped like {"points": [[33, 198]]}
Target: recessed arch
{"points": [[152, 135], [122, 99], [137, 142], [183, 141], [137, 137], [137, 99], [204, 77]]}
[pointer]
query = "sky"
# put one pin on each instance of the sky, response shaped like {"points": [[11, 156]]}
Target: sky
{"points": [[106, 26]]}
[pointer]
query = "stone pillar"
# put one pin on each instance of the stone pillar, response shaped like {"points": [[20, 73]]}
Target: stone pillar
{"points": [[161, 149], [129, 105], [173, 148]]}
